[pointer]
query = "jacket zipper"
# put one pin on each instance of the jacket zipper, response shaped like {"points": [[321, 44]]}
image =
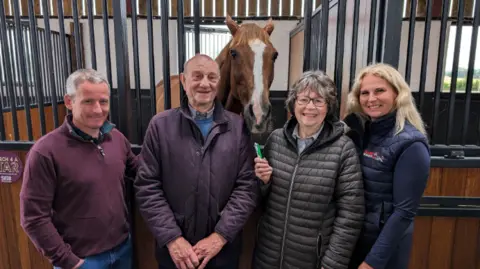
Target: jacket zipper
{"points": [[99, 148], [287, 212]]}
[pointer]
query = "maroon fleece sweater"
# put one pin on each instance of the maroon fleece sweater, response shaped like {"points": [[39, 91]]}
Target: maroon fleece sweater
{"points": [[72, 199]]}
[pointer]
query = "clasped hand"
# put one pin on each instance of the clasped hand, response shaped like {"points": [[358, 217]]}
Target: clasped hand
{"points": [[187, 257]]}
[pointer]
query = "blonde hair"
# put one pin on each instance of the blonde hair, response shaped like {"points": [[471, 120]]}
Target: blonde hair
{"points": [[404, 103]]}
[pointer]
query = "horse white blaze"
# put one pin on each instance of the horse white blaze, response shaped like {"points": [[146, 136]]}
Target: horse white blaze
{"points": [[257, 47]]}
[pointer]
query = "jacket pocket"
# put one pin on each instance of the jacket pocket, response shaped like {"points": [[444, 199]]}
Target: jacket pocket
{"points": [[319, 249]]}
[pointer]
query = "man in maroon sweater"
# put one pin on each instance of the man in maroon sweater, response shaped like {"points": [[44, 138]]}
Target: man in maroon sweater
{"points": [[72, 202]]}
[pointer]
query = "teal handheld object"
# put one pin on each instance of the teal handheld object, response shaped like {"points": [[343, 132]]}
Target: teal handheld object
{"points": [[259, 150]]}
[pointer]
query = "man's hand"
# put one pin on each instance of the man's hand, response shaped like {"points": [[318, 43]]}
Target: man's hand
{"points": [[364, 265], [79, 264], [182, 254], [208, 248]]}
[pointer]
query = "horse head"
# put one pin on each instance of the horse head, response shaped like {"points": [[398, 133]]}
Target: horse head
{"points": [[247, 71]]}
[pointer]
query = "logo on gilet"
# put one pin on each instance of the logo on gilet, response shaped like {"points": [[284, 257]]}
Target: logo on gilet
{"points": [[373, 155]]}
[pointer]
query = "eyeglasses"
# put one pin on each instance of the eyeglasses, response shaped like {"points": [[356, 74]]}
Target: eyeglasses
{"points": [[318, 102]]}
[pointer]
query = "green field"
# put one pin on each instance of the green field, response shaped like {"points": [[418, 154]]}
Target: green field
{"points": [[461, 85]]}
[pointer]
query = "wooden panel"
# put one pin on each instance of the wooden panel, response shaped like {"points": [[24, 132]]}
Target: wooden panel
{"points": [[219, 9], [252, 7], [55, 8], [187, 8], [67, 8], [231, 8], [22, 122], [285, 8], [275, 7], [6, 7], [297, 8], [263, 8], [174, 7], [241, 8], [208, 8], [467, 8], [24, 10]]}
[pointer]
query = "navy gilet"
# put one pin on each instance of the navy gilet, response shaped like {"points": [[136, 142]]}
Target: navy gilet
{"points": [[381, 149]]}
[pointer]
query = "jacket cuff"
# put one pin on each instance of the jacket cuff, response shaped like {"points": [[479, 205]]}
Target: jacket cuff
{"points": [[69, 261], [223, 233], [374, 262], [164, 241]]}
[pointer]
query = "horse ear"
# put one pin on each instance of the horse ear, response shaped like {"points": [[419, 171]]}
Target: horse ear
{"points": [[269, 27], [232, 25]]}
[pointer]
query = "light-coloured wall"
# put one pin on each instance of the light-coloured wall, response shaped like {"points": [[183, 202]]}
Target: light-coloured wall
{"points": [[279, 38]]}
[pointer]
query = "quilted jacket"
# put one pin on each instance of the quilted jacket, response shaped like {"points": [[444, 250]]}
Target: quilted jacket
{"points": [[313, 204]]}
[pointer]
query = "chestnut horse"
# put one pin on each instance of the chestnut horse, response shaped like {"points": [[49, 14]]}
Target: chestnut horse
{"points": [[246, 74]]}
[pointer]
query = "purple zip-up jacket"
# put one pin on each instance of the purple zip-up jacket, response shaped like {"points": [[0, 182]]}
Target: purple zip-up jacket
{"points": [[72, 202], [190, 186]]}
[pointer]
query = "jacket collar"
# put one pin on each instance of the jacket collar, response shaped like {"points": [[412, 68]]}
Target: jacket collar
{"points": [[330, 132], [382, 125], [105, 130], [219, 116]]}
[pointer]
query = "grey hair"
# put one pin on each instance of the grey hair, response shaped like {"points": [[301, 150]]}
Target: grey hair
{"points": [[320, 83], [82, 75]]}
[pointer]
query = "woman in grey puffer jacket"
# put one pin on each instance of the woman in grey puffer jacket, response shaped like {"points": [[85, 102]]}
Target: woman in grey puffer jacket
{"points": [[312, 185]]}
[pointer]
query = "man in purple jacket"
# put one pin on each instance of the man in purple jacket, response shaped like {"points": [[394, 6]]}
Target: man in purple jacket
{"points": [[196, 185], [72, 203]]}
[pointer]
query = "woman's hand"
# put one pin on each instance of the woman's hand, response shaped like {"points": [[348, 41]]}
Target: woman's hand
{"points": [[364, 265], [263, 170]]}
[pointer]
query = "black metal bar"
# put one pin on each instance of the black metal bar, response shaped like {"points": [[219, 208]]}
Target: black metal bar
{"points": [[136, 71], [36, 66], [411, 37], [151, 59], [381, 25], [63, 47], [450, 201], [196, 15], [23, 71], [123, 75], [165, 55], [307, 35], [456, 59], [353, 62], [371, 31], [181, 43], [426, 48], [439, 72], [91, 30], [339, 48], [106, 40], [50, 69], [2, 75], [76, 30], [471, 66], [449, 212], [324, 35]]}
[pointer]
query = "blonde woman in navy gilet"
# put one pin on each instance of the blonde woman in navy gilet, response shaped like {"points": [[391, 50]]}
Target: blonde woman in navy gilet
{"points": [[394, 152]]}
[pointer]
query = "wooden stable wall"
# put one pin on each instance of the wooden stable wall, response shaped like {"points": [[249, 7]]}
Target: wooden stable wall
{"points": [[447, 242], [16, 250]]}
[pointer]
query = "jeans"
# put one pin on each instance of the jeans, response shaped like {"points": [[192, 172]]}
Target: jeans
{"points": [[120, 257]]}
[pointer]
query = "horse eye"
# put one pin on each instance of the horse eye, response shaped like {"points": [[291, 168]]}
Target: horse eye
{"points": [[233, 53], [275, 55]]}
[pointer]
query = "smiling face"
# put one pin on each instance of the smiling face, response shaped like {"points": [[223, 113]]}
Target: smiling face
{"points": [[200, 82], [89, 106], [310, 110], [377, 96]]}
